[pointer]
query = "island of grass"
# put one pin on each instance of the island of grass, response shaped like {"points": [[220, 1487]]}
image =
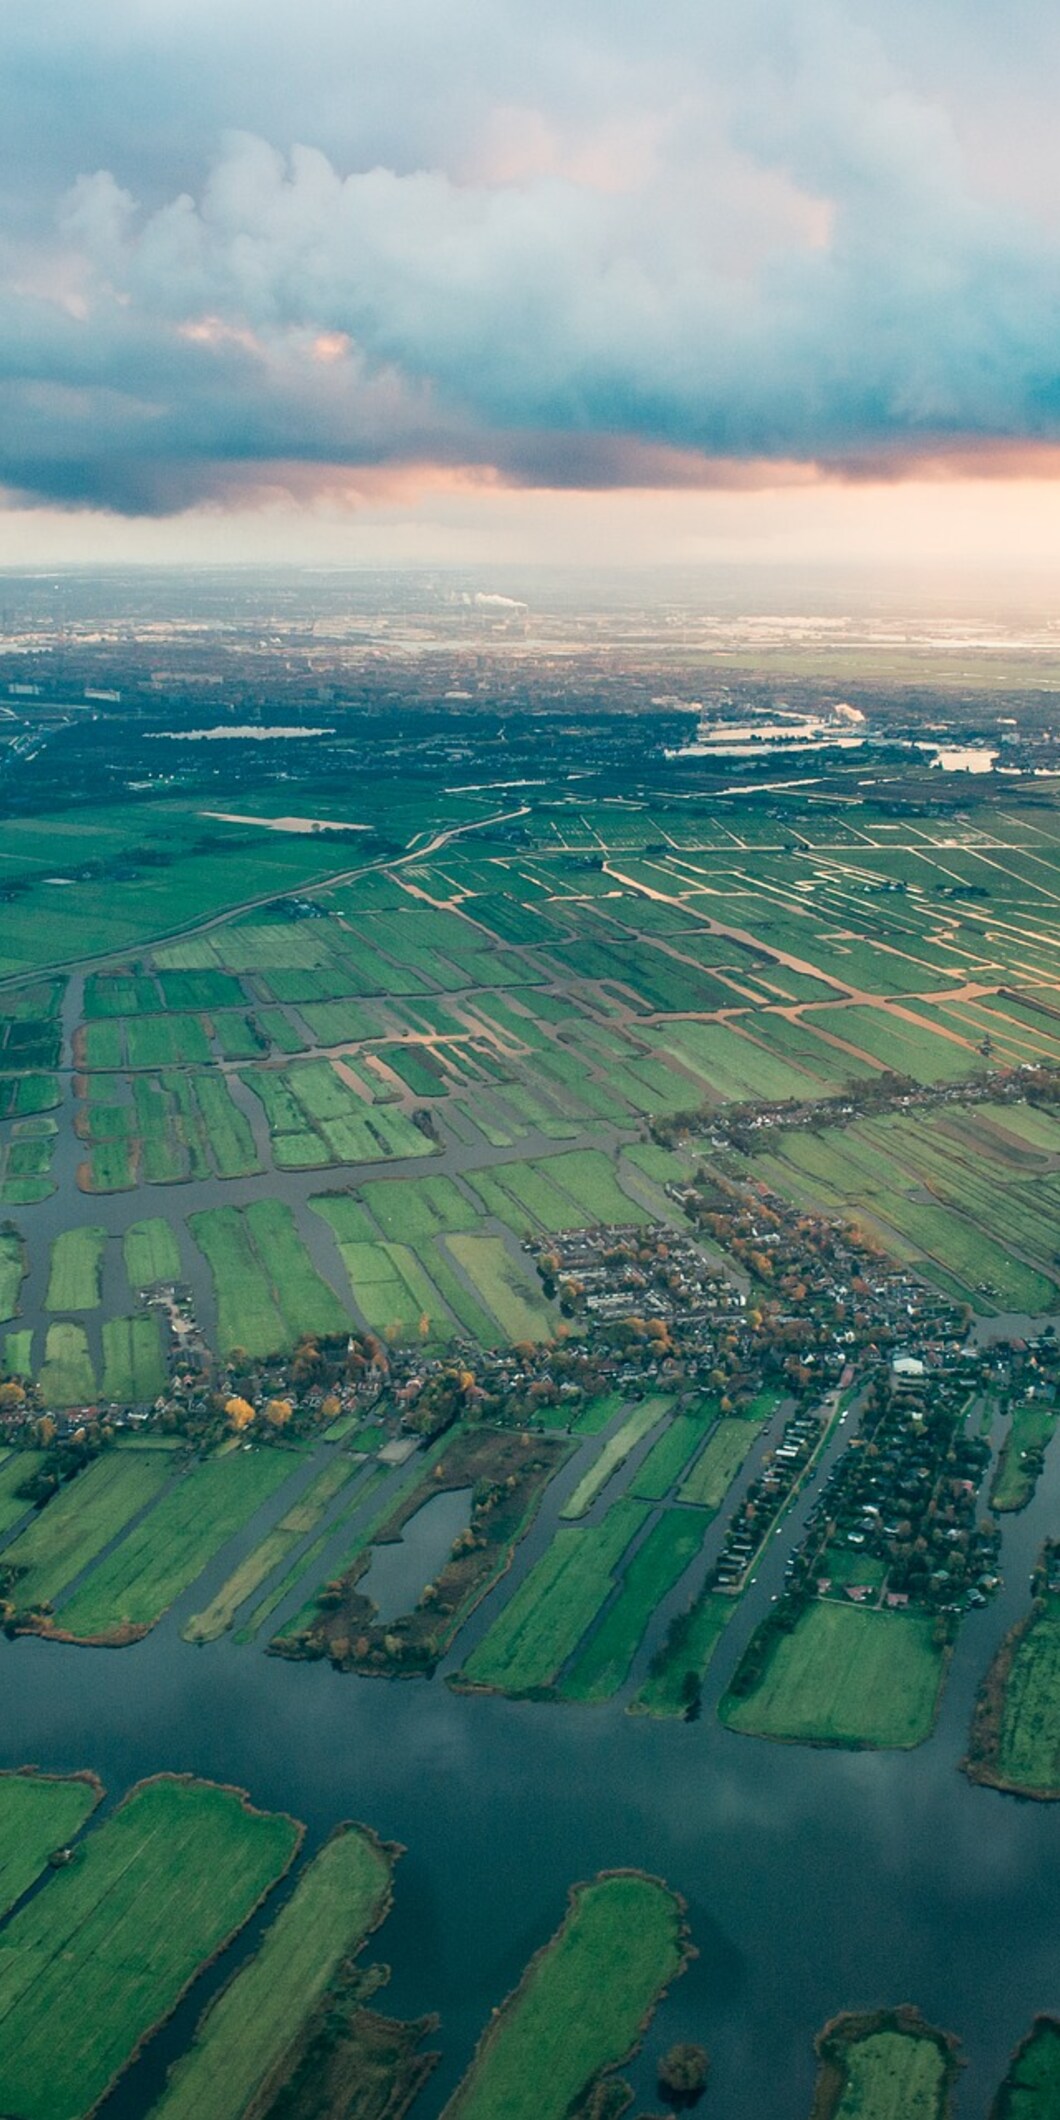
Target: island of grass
{"points": [[507, 1472], [832, 1674], [1015, 1736], [247, 2044], [889, 2065], [1031, 2089], [111, 1942], [1023, 1455], [582, 2005], [39, 1815]]}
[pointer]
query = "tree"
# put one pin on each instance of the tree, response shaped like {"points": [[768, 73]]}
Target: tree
{"points": [[683, 2073], [278, 1412], [239, 1413]]}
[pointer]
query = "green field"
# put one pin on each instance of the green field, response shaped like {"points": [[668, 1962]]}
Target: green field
{"points": [[12, 1268], [614, 1453], [712, 1475], [506, 1286], [542, 1624], [39, 1813], [1031, 2090], [1022, 1697], [603, 1664], [893, 2069], [845, 1675], [134, 1369], [76, 1269], [268, 1291], [672, 1685], [129, 1591], [1031, 1430], [255, 1568], [110, 1943], [66, 1377], [16, 1467], [246, 2034], [666, 1460], [581, 2006], [80, 1521]]}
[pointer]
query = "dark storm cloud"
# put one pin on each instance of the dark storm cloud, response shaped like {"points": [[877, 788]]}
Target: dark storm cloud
{"points": [[246, 245]]}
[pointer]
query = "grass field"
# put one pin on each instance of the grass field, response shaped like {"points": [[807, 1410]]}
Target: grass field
{"points": [[844, 1676], [541, 1626], [80, 1521], [151, 1253], [245, 2035], [614, 1453], [505, 1285], [140, 1578], [1031, 1429], [672, 1684], [134, 1370], [888, 2074], [603, 1664], [666, 1460], [269, 1293], [12, 1268], [16, 1466], [1031, 2090], [256, 1566], [109, 1945], [1026, 1752], [712, 1474], [581, 2006], [38, 1814], [76, 1269]]}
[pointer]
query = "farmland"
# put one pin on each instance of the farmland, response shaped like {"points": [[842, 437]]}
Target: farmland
{"points": [[614, 1453], [1015, 1740], [1031, 2090], [77, 1263], [138, 1580], [38, 1813], [542, 1624], [890, 2066], [82, 1519], [1030, 1431], [268, 1292], [843, 1676], [602, 1666], [162, 1884], [713, 1473], [302, 1517], [582, 2004], [248, 2032]]}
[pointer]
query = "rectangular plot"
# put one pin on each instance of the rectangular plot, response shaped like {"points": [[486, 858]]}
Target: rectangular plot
{"points": [[541, 1626], [614, 1453], [80, 1521], [134, 1370], [504, 1285], [129, 1591], [603, 1664]]}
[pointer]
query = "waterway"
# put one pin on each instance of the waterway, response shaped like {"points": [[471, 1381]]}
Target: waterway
{"points": [[815, 1881]]}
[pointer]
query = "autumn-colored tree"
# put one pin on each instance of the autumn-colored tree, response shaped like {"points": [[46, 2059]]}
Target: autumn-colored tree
{"points": [[12, 1396], [45, 1430], [239, 1413], [278, 1412], [331, 1407]]}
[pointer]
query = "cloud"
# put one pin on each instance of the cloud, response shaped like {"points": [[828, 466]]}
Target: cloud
{"points": [[725, 248]]}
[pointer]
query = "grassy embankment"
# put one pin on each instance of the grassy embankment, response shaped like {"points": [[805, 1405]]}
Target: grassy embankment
{"points": [[1015, 1738], [582, 2005], [108, 1946], [1022, 1458], [1031, 2090], [843, 1675], [614, 1453], [39, 1813], [244, 2043], [887, 2066]]}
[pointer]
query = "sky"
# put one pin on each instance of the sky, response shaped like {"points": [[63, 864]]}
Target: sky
{"points": [[381, 281]]}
